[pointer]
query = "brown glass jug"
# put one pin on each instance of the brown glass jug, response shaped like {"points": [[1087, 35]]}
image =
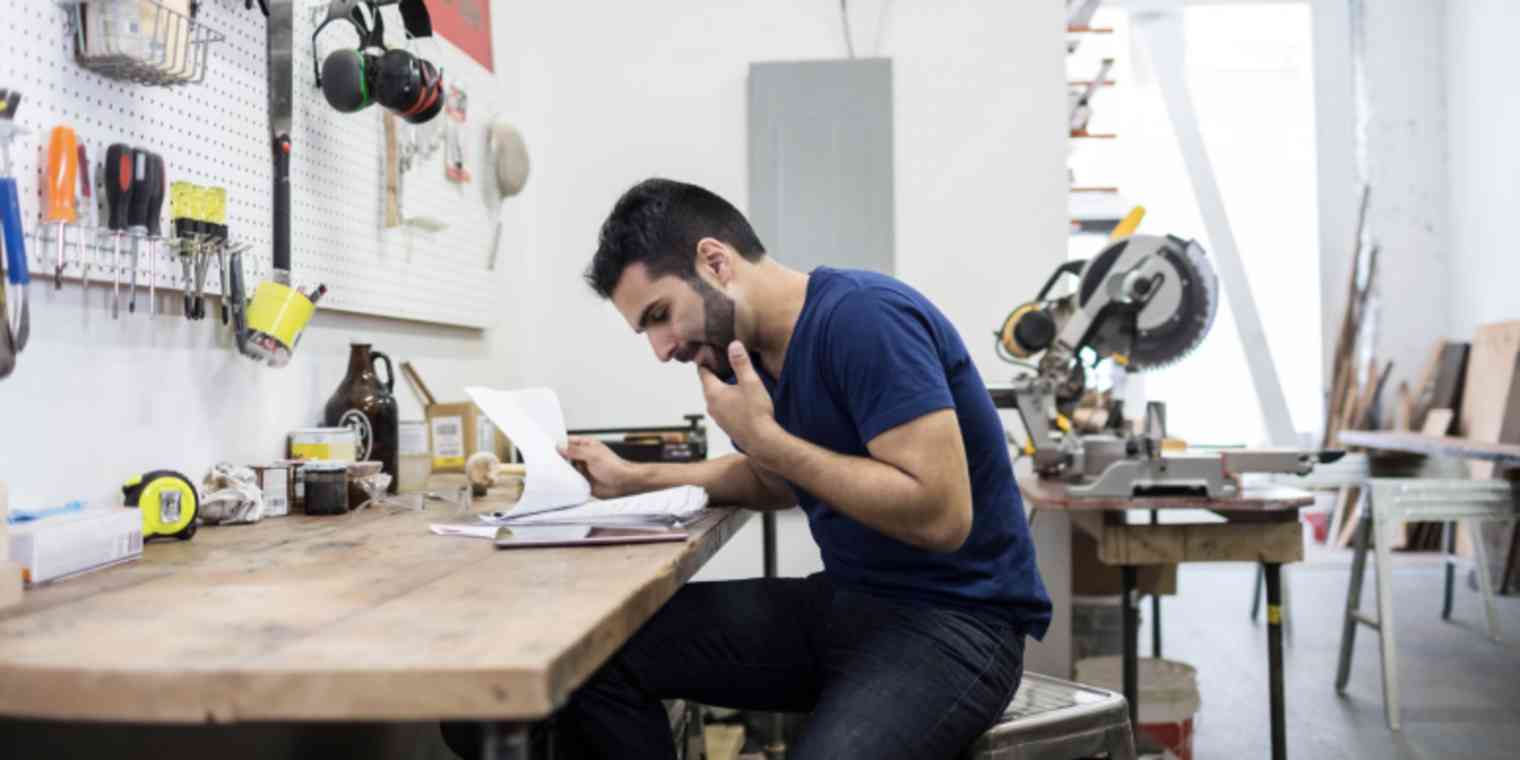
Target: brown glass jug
{"points": [[365, 404]]}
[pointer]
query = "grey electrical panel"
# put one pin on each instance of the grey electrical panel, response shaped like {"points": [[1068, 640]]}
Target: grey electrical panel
{"points": [[820, 162]]}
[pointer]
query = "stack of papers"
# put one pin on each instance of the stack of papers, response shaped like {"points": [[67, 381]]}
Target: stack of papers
{"points": [[554, 493]]}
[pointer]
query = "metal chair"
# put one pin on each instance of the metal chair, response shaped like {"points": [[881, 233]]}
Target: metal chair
{"points": [[1389, 502], [1051, 719]]}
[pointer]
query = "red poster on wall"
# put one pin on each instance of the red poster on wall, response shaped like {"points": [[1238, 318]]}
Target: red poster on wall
{"points": [[467, 24]]}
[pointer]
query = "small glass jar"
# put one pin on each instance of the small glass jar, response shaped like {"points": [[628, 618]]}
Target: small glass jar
{"points": [[326, 488]]}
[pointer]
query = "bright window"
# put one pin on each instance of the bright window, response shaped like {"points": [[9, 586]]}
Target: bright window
{"points": [[1250, 75]]}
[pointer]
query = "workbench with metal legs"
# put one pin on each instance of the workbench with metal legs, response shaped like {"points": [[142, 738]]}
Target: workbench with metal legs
{"points": [[1261, 526], [1273, 572]]}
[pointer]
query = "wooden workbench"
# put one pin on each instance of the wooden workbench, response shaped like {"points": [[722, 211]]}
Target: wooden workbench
{"points": [[364, 616], [1262, 525]]}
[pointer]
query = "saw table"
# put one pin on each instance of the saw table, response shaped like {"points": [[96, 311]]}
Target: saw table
{"points": [[1260, 525]]}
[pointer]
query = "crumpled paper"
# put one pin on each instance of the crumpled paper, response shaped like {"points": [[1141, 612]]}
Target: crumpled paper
{"points": [[232, 496]]}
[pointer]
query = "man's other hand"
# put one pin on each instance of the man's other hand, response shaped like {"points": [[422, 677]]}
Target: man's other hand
{"points": [[743, 410], [610, 475]]}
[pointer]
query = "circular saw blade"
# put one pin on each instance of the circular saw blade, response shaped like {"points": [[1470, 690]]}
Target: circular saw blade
{"points": [[1178, 316]]}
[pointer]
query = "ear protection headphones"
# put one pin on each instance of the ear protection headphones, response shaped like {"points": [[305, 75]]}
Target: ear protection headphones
{"points": [[351, 80]]}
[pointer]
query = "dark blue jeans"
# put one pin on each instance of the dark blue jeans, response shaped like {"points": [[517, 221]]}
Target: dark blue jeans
{"points": [[882, 678]]}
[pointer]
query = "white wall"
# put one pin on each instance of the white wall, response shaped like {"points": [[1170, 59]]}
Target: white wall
{"points": [[1484, 162], [94, 401], [1406, 144], [658, 88], [646, 89]]}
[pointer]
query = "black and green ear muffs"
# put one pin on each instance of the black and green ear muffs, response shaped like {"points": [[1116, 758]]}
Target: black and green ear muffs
{"points": [[347, 76]]}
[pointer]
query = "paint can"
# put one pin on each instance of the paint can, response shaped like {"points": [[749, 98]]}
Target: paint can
{"points": [[1168, 696], [328, 444]]}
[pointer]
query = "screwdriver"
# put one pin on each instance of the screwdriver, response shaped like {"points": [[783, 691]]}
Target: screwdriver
{"points": [[216, 228], [137, 216], [89, 203], [156, 184], [182, 212], [118, 170], [63, 157]]}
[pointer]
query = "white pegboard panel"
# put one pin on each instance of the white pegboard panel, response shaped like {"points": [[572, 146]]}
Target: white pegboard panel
{"points": [[217, 133]]}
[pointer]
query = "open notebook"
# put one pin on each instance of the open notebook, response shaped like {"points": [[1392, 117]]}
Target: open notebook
{"points": [[556, 494]]}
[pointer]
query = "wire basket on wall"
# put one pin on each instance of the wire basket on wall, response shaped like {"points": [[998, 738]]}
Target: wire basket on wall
{"points": [[143, 41]]}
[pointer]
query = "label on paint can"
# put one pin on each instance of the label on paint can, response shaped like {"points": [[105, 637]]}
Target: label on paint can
{"points": [[448, 441], [337, 444]]}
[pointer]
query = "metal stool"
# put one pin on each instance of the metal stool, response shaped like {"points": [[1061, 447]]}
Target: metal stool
{"points": [[1051, 719], [1389, 502]]}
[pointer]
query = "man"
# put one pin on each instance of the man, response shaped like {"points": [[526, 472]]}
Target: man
{"points": [[850, 394]]}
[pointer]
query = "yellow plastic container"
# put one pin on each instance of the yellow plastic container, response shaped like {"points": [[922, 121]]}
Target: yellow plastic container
{"points": [[276, 318]]}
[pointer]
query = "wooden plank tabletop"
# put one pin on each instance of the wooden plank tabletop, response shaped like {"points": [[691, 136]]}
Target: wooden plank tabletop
{"points": [[364, 616], [1433, 445], [1043, 493]]}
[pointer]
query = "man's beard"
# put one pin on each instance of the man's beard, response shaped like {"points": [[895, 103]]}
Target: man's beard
{"points": [[718, 324]]}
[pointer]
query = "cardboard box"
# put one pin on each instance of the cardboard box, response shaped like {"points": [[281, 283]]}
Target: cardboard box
{"points": [[56, 547], [278, 482], [456, 429]]}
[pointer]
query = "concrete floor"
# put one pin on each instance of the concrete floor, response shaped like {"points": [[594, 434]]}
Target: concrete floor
{"points": [[1460, 691]]}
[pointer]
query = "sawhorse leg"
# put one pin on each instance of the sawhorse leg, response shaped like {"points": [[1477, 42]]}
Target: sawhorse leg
{"points": [[1275, 659]]}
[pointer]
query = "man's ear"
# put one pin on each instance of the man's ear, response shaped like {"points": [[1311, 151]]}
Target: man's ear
{"points": [[715, 259]]}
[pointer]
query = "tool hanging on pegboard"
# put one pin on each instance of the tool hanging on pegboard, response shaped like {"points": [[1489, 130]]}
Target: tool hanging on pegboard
{"points": [[18, 316]]}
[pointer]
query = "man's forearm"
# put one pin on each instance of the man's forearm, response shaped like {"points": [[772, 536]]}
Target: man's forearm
{"points": [[871, 492], [728, 480]]}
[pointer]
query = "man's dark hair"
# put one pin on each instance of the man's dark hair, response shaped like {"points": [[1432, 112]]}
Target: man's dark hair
{"points": [[658, 222]]}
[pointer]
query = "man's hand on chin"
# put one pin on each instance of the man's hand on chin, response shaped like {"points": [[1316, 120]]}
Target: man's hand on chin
{"points": [[744, 410]]}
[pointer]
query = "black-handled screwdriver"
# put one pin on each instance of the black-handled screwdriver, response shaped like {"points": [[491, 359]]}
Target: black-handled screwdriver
{"points": [[137, 215], [155, 185], [118, 183]]}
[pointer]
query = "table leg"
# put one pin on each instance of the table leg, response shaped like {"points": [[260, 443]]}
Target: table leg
{"points": [[1275, 659], [1156, 604], [776, 748], [1131, 646], [504, 741]]}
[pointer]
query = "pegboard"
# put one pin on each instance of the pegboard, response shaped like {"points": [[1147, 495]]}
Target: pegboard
{"points": [[216, 133]]}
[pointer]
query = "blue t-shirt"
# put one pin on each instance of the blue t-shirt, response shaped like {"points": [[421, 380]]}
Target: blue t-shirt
{"points": [[869, 353]]}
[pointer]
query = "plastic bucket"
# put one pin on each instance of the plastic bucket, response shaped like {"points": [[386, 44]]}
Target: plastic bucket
{"points": [[1168, 695]]}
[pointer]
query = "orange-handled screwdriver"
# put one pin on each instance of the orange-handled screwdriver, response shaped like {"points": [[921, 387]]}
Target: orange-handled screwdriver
{"points": [[62, 168]]}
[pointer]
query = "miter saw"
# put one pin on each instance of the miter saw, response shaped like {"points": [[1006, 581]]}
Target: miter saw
{"points": [[1144, 302]]}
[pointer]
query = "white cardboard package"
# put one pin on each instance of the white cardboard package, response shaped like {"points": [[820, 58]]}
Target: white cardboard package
{"points": [[55, 547]]}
